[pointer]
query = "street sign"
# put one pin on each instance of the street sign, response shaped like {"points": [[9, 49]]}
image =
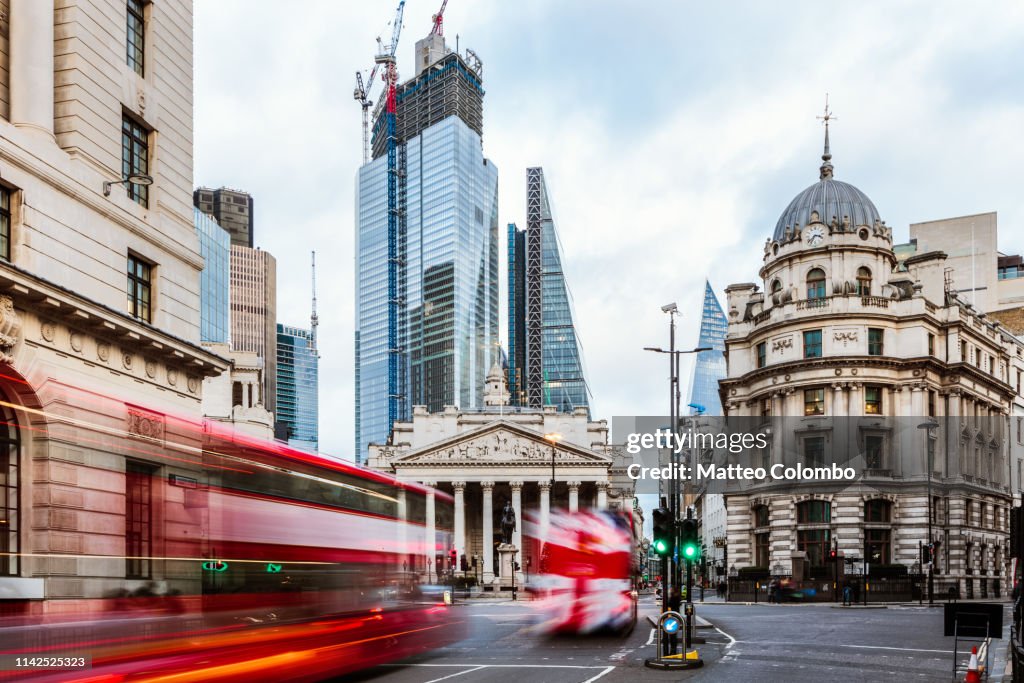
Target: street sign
{"points": [[215, 566], [671, 625], [273, 568]]}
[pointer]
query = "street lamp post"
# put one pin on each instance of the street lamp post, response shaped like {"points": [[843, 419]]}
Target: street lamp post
{"points": [[928, 427]]}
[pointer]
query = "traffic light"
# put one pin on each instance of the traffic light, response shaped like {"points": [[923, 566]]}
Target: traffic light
{"points": [[833, 555], [464, 564], [1016, 531], [926, 553], [689, 540], [663, 535], [452, 558]]}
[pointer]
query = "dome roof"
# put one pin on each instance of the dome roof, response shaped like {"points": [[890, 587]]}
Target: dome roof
{"points": [[830, 198]]}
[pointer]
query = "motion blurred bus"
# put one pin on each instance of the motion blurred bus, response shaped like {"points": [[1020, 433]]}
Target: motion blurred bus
{"points": [[588, 572], [229, 558]]}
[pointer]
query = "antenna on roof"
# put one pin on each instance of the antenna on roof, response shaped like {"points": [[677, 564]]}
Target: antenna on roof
{"points": [[313, 319]]}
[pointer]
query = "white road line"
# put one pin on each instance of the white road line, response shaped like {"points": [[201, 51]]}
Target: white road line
{"points": [[594, 678], [732, 641], [457, 673], [505, 666], [650, 639], [859, 647]]}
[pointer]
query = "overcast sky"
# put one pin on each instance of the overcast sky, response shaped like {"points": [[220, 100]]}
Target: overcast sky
{"points": [[672, 136]]}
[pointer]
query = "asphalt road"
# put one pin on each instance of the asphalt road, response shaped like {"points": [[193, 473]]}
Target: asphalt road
{"points": [[746, 643]]}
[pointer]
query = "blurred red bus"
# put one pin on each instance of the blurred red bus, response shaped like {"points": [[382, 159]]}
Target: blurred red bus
{"points": [[249, 561], [588, 572]]}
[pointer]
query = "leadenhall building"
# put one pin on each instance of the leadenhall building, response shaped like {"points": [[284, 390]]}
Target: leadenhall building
{"points": [[859, 350]]}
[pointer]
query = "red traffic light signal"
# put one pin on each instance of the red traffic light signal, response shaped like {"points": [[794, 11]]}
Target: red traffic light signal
{"points": [[453, 557], [833, 554]]}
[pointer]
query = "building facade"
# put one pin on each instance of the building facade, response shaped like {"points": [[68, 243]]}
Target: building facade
{"points": [[708, 369], [501, 454], [214, 280], [844, 334], [232, 209], [254, 314], [545, 354], [298, 386], [99, 292], [426, 300]]}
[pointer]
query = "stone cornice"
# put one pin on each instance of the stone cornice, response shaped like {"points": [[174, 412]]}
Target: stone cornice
{"points": [[48, 300]]}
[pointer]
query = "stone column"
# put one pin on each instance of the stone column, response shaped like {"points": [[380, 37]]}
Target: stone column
{"points": [[31, 64], [574, 496], [517, 535], [488, 515], [517, 504], [602, 495], [460, 522], [430, 544], [545, 508]]}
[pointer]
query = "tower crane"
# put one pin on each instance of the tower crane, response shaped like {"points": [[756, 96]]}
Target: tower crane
{"points": [[361, 94], [438, 29]]}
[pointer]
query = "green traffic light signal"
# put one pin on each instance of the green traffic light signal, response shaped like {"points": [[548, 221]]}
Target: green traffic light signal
{"points": [[660, 546], [690, 551]]}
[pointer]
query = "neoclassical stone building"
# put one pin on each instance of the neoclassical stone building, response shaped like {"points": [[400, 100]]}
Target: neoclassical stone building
{"points": [[842, 328], [99, 294], [503, 454]]}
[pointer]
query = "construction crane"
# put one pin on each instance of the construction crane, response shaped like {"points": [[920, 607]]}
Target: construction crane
{"points": [[314, 320], [438, 29], [395, 239], [361, 94]]}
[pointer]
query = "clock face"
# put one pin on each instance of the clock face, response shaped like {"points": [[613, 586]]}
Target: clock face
{"points": [[815, 236]]}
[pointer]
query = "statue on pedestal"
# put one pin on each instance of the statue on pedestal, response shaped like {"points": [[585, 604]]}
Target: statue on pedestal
{"points": [[508, 522]]}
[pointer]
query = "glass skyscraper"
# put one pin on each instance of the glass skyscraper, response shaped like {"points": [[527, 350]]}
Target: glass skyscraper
{"points": [[710, 365], [446, 263], [214, 280], [545, 360], [297, 386]]}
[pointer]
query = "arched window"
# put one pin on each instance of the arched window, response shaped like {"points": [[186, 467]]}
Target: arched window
{"points": [[863, 281], [10, 476], [776, 287], [816, 284]]}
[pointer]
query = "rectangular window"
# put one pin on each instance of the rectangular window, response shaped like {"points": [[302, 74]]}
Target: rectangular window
{"points": [[766, 408], [135, 158], [136, 36], [762, 354], [814, 401], [138, 545], [977, 358], [931, 403], [10, 477], [963, 352], [875, 341], [814, 451], [812, 344], [761, 549], [872, 400], [877, 544], [873, 453], [5, 224], [140, 289], [931, 344], [814, 542]]}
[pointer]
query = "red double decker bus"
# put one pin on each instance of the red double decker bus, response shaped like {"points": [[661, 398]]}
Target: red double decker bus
{"points": [[243, 560]]}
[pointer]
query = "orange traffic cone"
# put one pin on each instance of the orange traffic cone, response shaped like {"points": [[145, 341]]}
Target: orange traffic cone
{"points": [[973, 675]]}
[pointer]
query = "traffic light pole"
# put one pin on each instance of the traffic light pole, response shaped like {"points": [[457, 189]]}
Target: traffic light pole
{"points": [[689, 596]]}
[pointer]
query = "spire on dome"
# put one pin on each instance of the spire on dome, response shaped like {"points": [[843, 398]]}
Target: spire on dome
{"points": [[826, 158]]}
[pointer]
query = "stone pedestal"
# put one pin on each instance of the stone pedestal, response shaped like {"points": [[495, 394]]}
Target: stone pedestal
{"points": [[507, 555]]}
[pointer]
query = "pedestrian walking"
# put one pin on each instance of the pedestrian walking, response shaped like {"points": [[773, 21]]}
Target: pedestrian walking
{"points": [[847, 595]]}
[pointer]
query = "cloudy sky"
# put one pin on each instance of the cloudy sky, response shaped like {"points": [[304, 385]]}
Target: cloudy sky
{"points": [[672, 135]]}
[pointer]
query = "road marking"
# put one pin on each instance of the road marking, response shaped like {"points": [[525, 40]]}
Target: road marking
{"points": [[650, 639], [860, 647], [508, 666], [457, 673], [594, 678], [732, 641]]}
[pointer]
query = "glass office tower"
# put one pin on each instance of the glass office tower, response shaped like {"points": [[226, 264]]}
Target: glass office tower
{"points": [[710, 365], [214, 280], [449, 315], [297, 386], [545, 353]]}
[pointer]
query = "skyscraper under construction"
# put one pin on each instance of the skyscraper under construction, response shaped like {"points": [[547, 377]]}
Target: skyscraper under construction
{"points": [[545, 360], [426, 247]]}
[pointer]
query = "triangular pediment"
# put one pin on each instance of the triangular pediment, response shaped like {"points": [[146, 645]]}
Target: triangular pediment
{"points": [[499, 442]]}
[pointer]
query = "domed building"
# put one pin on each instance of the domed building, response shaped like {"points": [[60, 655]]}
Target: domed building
{"points": [[843, 353]]}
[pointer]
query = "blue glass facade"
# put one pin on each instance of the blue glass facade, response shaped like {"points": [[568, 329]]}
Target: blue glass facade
{"points": [[298, 386], [449, 320], [710, 366], [562, 379], [214, 280]]}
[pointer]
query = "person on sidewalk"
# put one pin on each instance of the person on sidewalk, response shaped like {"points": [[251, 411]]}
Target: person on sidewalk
{"points": [[847, 595]]}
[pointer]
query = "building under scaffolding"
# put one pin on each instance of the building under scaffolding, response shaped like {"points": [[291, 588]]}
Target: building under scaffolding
{"points": [[449, 86], [427, 249]]}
